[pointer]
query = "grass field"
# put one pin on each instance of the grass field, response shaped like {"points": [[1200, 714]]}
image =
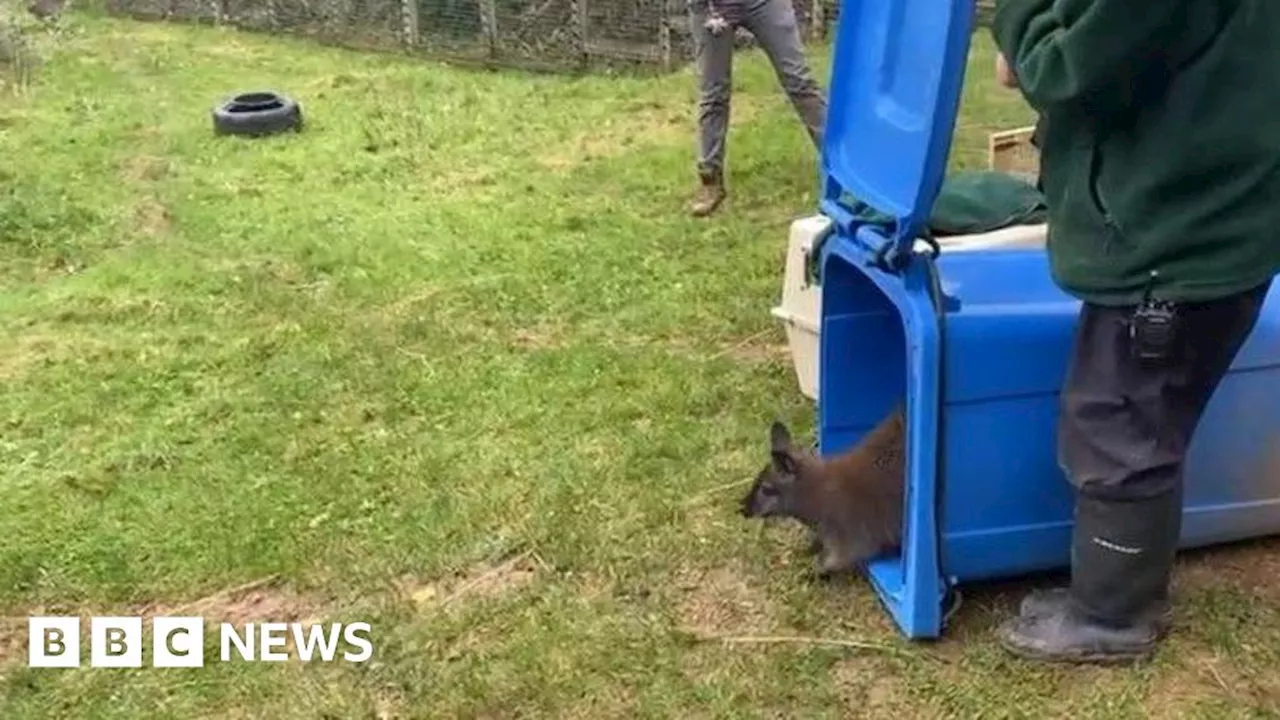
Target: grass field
{"points": [[455, 362]]}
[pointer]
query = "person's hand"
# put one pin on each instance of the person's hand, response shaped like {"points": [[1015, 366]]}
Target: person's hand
{"points": [[1004, 74]]}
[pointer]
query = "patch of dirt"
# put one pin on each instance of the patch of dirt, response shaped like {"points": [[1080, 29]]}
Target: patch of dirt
{"points": [[480, 582], [868, 687], [264, 600], [1077, 691], [1196, 675], [618, 701], [1197, 672], [722, 600], [538, 338], [460, 180], [151, 217], [760, 353], [147, 168], [470, 643], [1251, 566], [147, 134], [592, 587], [1175, 691], [20, 356], [33, 349], [13, 646], [388, 706]]}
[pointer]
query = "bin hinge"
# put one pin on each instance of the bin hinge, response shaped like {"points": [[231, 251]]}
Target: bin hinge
{"points": [[893, 254]]}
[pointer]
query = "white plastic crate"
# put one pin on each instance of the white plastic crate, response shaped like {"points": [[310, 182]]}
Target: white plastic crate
{"points": [[800, 308]]}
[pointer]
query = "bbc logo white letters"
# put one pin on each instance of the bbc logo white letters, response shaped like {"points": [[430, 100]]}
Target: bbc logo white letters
{"points": [[53, 642], [115, 642], [178, 642]]}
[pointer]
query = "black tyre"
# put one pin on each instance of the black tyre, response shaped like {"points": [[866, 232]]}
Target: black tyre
{"points": [[257, 114]]}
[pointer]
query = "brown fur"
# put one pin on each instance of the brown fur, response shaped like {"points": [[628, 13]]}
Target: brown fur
{"points": [[852, 502], [46, 9]]}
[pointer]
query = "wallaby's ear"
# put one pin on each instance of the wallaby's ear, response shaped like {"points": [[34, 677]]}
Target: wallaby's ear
{"points": [[784, 463], [780, 449], [779, 438]]}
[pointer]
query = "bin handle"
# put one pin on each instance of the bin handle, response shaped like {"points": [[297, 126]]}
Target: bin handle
{"points": [[812, 275], [889, 260], [887, 256]]}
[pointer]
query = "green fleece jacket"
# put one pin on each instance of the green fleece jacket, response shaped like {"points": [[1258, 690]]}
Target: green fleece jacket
{"points": [[1160, 161]]}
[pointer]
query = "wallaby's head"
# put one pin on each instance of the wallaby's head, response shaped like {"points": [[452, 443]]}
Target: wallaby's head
{"points": [[773, 492]]}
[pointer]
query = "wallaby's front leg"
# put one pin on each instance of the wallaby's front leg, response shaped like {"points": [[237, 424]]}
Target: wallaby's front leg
{"points": [[861, 553], [831, 560]]}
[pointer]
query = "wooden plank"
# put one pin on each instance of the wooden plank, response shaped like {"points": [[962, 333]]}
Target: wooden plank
{"points": [[1011, 151]]}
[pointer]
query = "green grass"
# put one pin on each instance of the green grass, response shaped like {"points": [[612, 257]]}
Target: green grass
{"points": [[463, 315]]}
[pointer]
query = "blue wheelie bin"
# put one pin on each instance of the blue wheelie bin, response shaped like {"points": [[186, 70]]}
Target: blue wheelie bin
{"points": [[977, 341]]}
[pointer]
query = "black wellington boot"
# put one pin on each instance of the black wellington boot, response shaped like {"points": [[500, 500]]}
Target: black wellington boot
{"points": [[1122, 560], [1049, 601]]}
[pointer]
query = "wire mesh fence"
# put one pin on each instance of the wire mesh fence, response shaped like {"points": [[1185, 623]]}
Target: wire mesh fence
{"points": [[30, 31], [15, 55], [556, 35]]}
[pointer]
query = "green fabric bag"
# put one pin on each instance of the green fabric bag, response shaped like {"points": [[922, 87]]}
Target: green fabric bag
{"points": [[978, 201], [982, 201], [970, 202]]}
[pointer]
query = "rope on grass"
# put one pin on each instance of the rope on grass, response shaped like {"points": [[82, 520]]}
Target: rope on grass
{"points": [[228, 593], [700, 497], [486, 575], [805, 640], [739, 345]]}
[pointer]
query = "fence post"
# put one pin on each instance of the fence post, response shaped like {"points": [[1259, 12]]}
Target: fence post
{"points": [[489, 26], [664, 42], [580, 23], [409, 17]]}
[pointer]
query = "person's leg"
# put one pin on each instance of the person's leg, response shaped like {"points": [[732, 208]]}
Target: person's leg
{"points": [[1123, 433], [714, 61], [773, 23]]}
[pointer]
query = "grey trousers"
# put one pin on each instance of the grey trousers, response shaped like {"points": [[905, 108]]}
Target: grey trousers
{"points": [[773, 24]]}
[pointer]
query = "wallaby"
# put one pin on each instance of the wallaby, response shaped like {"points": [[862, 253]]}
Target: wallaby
{"points": [[852, 502], [46, 9]]}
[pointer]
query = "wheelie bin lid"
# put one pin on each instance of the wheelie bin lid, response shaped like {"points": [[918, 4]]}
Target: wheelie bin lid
{"points": [[894, 93]]}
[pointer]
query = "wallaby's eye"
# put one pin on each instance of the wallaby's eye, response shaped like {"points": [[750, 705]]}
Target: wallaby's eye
{"points": [[769, 491]]}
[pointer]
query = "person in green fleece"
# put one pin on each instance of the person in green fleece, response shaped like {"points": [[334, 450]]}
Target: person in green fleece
{"points": [[1160, 164]]}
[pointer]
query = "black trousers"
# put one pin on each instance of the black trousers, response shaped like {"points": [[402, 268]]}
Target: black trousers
{"points": [[1124, 427]]}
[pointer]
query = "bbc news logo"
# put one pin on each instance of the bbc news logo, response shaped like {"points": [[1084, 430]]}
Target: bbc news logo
{"points": [[178, 642]]}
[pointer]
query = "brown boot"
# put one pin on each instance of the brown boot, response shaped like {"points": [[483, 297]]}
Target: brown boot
{"points": [[709, 196]]}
